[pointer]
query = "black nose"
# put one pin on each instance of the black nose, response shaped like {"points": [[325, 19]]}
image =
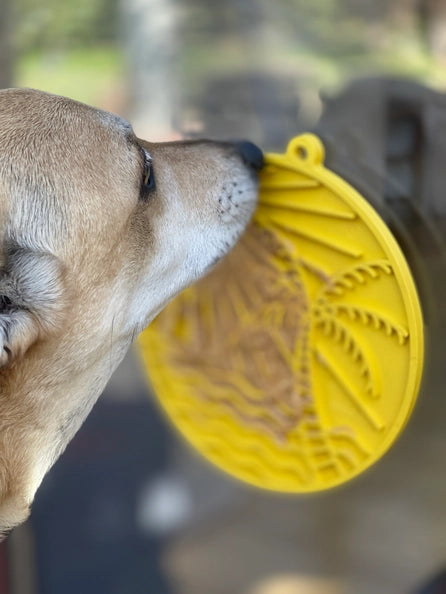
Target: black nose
{"points": [[251, 154]]}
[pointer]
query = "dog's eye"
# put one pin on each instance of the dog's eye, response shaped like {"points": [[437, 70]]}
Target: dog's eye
{"points": [[148, 179]]}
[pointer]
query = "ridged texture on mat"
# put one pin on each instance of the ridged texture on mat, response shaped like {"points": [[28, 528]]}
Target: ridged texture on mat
{"points": [[295, 364]]}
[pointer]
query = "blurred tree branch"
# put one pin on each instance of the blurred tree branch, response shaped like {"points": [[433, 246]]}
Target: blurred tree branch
{"points": [[433, 16], [6, 49]]}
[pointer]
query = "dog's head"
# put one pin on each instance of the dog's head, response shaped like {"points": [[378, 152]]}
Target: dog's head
{"points": [[98, 231]]}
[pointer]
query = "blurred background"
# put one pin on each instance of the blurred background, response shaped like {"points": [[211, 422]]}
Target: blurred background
{"points": [[129, 509]]}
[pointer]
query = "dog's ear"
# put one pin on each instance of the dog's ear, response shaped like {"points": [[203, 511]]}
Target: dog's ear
{"points": [[32, 300]]}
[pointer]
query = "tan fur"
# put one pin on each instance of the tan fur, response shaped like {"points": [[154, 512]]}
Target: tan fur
{"points": [[87, 262]]}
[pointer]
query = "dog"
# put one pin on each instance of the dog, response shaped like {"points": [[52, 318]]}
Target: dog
{"points": [[99, 231]]}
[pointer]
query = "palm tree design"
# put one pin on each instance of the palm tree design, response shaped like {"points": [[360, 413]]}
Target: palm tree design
{"points": [[269, 344]]}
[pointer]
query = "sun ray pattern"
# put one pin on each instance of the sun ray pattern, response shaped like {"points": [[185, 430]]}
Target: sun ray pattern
{"points": [[294, 365]]}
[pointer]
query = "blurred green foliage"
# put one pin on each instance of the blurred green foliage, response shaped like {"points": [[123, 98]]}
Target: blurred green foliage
{"points": [[90, 75], [64, 24], [73, 46], [323, 42], [68, 47]]}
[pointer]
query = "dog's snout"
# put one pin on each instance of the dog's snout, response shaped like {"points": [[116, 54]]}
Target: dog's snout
{"points": [[250, 153]]}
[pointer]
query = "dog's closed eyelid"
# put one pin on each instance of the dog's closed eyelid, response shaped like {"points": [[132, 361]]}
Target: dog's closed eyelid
{"points": [[147, 172], [147, 158], [148, 179]]}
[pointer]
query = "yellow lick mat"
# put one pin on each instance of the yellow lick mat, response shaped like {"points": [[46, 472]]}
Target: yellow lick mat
{"points": [[296, 363]]}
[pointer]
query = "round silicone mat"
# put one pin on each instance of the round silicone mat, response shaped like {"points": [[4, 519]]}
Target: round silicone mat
{"points": [[296, 363]]}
